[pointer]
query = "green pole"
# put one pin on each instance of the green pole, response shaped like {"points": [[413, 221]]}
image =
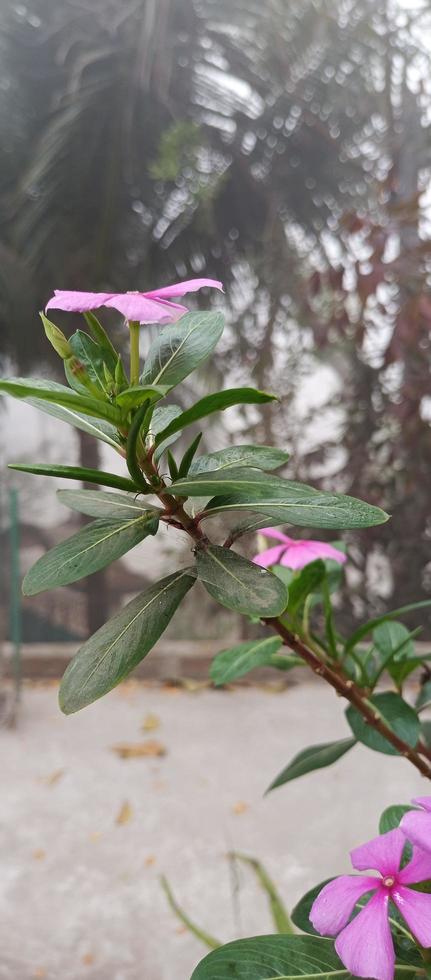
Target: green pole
{"points": [[15, 625]]}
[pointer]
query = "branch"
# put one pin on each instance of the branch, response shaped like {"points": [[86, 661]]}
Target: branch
{"points": [[349, 690]]}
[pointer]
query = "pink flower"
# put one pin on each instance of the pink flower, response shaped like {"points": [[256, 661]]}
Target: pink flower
{"points": [[365, 945], [152, 307], [295, 554], [416, 825]]}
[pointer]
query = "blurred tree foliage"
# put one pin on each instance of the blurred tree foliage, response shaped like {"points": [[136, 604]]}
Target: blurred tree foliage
{"points": [[280, 146]]}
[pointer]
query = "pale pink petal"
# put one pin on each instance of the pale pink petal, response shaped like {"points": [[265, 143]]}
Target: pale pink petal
{"points": [[320, 549], [269, 557], [271, 532], [332, 908], [417, 828], [423, 801], [77, 302], [382, 853], [297, 555], [136, 306], [415, 908], [181, 288], [418, 869], [365, 946]]}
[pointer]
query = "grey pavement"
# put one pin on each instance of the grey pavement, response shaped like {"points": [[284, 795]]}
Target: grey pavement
{"points": [[79, 892]]}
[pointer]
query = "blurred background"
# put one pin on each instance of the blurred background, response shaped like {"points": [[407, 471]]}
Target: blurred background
{"points": [[283, 147]]}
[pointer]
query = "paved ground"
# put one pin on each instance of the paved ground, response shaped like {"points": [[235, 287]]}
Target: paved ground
{"points": [[79, 892]]}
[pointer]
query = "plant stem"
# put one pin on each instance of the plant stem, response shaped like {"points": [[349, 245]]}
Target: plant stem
{"points": [[349, 690], [134, 352], [332, 674]]}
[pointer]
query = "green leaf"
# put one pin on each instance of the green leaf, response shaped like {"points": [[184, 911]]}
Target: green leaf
{"points": [[100, 335], [240, 659], [189, 454], [372, 623], [77, 473], [30, 388], [100, 503], [277, 908], [315, 757], [118, 646], [239, 584], [137, 395], [260, 457], [424, 697], [305, 582], [397, 714], [392, 816], [162, 415], [426, 732], [290, 503], [95, 427], [241, 480], [93, 547], [93, 357], [214, 403], [393, 639], [273, 958], [180, 347]]}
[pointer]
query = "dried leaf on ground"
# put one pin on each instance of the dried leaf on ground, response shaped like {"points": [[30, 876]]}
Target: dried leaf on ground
{"points": [[240, 807], [125, 813], [39, 854], [136, 750], [193, 686], [53, 777], [149, 861], [88, 959], [150, 723]]}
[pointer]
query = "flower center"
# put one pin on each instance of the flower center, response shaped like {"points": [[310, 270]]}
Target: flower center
{"points": [[389, 882]]}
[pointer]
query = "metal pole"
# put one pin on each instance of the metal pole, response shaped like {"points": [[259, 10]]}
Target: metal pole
{"points": [[15, 622]]}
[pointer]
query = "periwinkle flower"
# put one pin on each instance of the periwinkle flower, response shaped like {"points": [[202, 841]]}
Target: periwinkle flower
{"points": [[295, 553], [365, 944], [152, 307], [416, 824]]}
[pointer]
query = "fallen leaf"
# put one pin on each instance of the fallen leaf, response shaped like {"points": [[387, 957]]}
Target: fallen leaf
{"points": [[125, 813], [88, 959], [53, 778], [150, 723], [149, 861], [138, 750], [39, 854], [193, 686], [240, 807]]}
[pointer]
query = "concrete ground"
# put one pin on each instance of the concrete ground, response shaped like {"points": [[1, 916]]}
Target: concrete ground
{"points": [[85, 833]]}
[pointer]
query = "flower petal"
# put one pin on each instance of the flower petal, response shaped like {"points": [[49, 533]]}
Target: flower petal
{"points": [[75, 302], [332, 908], [320, 549], [417, 828], [418, 869], [136, 306], [297, 555], [271, 532], [269, 557], [181, 288], [365, 946], [423, 801], [415, 908], [382, 853]]}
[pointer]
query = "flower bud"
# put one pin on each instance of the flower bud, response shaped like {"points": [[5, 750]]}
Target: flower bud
{"points": [[56, 337]]}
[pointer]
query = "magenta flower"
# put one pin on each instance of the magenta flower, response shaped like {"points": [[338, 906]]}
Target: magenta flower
{"points": [[365, 945], [416, 824], [152, 307], [295, 554]]}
